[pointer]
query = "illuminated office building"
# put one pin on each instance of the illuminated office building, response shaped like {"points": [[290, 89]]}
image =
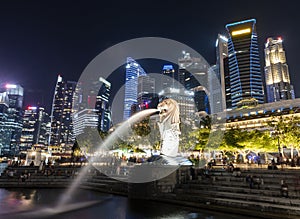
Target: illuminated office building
{"points": [[222, 70], [277, 76], [4, 131], [103, 106], [84, 110], [215, 90], [14, 120], [133, 71], [34, 131], [92, 107], [184, 98], [244, 65], [168, 79], [193, 76], [147, 98], [61, 120], [83, 119]]}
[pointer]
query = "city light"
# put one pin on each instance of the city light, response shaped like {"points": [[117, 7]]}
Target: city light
{"points": [[31, 107], [168, 67], [174, 90], [104, 81], [223, 38], [240, 32], [59, 79], [10, 86]]}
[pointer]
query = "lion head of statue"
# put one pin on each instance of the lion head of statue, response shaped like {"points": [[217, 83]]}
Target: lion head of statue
{"points": [[169, 111]]}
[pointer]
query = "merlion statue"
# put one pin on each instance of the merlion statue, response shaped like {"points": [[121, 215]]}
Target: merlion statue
{"points": [[169, 127]]}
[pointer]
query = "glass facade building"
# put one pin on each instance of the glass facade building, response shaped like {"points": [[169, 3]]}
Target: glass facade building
{"points": [[92, 111], [222, 70], [35, 121], [277, 76], [61, 119], [147, 98], [103, 106], [4, 131], [193, 76], [185, 100], [14, 122], [168, 79], [83, 119], [244, 63], [133, 71]]}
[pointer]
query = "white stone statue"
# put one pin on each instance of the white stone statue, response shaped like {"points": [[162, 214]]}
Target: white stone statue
{"points": [[169, 127]]}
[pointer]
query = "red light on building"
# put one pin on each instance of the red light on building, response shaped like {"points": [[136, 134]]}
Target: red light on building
{"points": [[31, 107]]}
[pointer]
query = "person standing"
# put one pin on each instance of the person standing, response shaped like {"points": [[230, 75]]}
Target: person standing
{"points": [[284, 189], [258, 160]]}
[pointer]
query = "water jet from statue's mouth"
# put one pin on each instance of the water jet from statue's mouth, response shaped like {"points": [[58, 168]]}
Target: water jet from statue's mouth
{"points": [[162, 111]]}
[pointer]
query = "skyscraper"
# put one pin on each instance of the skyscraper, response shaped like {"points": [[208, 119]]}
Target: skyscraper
{"points": [[133, 71], [83, 119], [193, 76], [147, 98], [103, 106], [14, 121], [185, 100], [34, 130], [222, 70], [244, 65], [92, 108], [4, 131], [168, 80], [215, 90], [278, 83], [84, 107], [61, 120]]}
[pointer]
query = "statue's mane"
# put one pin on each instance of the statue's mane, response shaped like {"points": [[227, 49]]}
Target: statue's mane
{"points": [[172, 114]]}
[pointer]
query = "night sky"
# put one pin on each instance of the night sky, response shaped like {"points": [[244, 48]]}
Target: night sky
{"points": [[41, 39]]}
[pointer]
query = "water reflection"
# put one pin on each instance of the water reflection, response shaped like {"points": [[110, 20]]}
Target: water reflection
{"points": [[41, 202], [20, 200]]}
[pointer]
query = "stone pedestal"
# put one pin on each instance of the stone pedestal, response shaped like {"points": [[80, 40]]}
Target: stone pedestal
{"points": [[161, 185]]}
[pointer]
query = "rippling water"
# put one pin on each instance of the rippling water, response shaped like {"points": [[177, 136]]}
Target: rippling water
{"points": [[40, 203]]}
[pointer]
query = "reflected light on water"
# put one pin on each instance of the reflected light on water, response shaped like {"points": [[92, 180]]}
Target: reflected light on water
{"points": [[16, 200]]}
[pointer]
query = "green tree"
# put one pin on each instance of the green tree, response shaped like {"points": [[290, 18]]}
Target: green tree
{"points": [[142, 128], [89, 140], [286, 131], [103, 135], [76, 152], [185, 140], [206, 122], [198, 139], [232, 143]]}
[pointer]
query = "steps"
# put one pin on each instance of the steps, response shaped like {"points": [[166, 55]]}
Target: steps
{"points": [[223, 189]]}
